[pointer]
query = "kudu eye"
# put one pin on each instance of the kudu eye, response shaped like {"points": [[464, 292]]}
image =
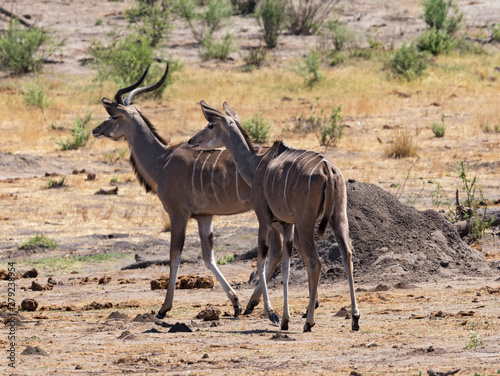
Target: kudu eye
{"points": [[210, 125]]}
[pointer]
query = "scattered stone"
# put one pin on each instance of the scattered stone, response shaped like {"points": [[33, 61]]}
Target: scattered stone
{"points": [[36, 286], [79, 366], [30, 350], [104, 280], [381, 287], [405, 286], [52, 281], [96, 305], [33, 273], [4, 276], [112, 191], [282, 337], [91, 176], [205, 356], [210, 313], [126, 335], [180, 328], [465, 313], [153, 330], [117, 316], [146, 317], [343, 312], [159, 284], [29, 305], [123, 281]]}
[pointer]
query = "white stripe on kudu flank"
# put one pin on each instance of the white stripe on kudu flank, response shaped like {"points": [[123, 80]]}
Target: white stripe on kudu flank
{"points": [[274, 161], [288, 153], [212, 177], [237, 191], [201, 173], [286, 179], [194, 169], [303, 167], [310, 176]]}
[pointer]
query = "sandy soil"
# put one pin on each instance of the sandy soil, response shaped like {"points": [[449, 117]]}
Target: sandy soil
{"points": [[406, 329]]}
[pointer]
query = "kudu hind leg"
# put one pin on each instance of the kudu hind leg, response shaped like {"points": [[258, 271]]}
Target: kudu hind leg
{"points": [[342, 235], [305, 246], [261, 258], [206, 235], [273, 259], [178, 235], [287, 253]]}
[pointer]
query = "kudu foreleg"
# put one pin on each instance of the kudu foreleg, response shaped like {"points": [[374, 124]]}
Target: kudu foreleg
{"points": [[261, 258], [178, 235], [287, 253], [273, 259], [206, 235]]}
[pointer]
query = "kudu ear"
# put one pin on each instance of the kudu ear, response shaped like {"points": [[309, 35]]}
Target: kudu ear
{"points": [[109, 106], [211, 114], [230, 112]]}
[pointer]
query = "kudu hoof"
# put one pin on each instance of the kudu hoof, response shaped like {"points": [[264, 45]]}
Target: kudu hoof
{"points": [[161, 315], [237, 310], [274, 319], [284, 324], [355, 323], [307, 327], [304, 316], [251, 305]]}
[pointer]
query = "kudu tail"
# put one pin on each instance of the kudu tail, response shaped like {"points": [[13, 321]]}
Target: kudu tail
{"points": [[329, 200]]}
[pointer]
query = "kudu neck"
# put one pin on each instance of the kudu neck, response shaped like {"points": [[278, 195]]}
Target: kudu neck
{"points": [[243, 153], [147, 153]]}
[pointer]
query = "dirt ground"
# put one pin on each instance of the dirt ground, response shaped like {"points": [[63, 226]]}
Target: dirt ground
{"points": [[434, 306]]}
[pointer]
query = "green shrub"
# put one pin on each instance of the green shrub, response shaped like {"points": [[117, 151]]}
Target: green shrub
{"points": [[495, 33], [258, 129], [435, 41], [39, 240], [23, 50], [35, 96], [271, 16], [439, 129], [328, 128], [309, 68], [152, 20], [123, 61], [407, 62], [305, 17], [81, 132], [218, 48], [442, 15]]}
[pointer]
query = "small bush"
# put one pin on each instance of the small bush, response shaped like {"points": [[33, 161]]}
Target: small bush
{"points": [[341, 35], [224, 260], [258, 129], [402, 146], [435, 41], [442, 15], [23, 50], [152, 20], [271, 16], [35, 96], [309, 68], [56, 183], [255, 57], [439, 129], [39, 240], [407, 62], [218, 48], [80, 131], [305, 17], [328, 128], [495, 33]]}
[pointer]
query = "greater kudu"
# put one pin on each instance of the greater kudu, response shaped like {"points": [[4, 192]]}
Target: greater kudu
{"points": [[289, 186], [189, 184]]}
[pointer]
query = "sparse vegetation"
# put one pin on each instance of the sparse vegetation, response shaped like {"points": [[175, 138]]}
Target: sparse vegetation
{"points": [[56, 183], [255, 58], [258, 128], [80, 133], [36, 96], [39, 240], [407, 62], [151, 19], [25, 49], [271, 16], [305, 17], [439, 130], [402, 145], [218, 48], [224, 260], [309, 68], [475, 341]]}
